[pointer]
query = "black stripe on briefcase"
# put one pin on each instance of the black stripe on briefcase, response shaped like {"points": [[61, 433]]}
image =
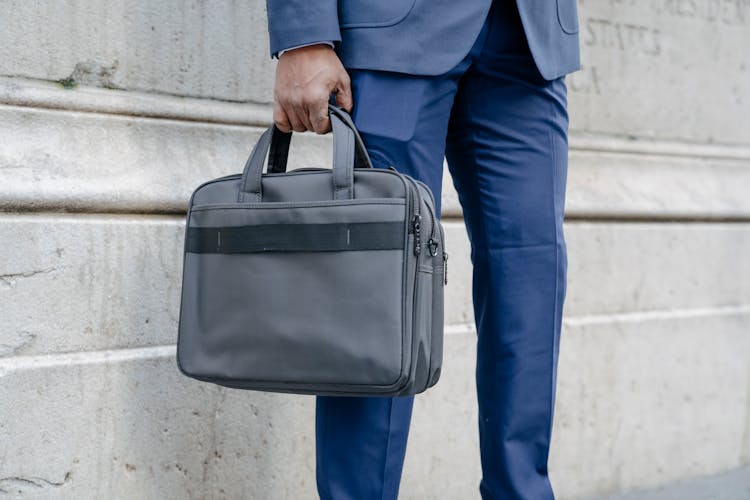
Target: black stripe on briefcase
{"points": [[342, 236]]}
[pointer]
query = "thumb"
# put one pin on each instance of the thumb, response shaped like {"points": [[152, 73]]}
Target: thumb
{"points": [[344, 94]]}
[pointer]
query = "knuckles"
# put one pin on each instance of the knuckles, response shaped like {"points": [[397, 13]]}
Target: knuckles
{"points": [[305, 98]]}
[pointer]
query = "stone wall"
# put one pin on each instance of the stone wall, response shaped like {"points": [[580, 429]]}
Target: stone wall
{"points": [[113, 111]]}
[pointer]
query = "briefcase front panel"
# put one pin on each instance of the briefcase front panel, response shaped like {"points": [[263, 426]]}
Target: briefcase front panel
{"points": [[291, 315]]}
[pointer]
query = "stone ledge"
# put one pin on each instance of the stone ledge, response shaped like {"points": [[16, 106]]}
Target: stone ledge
{"points": [[95, 150], [24, 92]]}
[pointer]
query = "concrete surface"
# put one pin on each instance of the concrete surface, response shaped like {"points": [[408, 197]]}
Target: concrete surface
{"points": [[666, 69], [216, 49], [103, 365], [734, 485], [651, 57]]}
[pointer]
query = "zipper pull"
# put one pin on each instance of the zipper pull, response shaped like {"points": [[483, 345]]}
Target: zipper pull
{"points": [[432, 244], [416, 226], [445, 268]]}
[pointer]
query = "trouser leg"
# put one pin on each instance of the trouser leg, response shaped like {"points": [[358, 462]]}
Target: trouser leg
{"points": [[360, 446], [361, 442], [507, 153]]}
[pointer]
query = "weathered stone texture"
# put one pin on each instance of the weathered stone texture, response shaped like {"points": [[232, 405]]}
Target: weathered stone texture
{"points": [[114, 111], [666, 69], [215, 49], [128, 425]]}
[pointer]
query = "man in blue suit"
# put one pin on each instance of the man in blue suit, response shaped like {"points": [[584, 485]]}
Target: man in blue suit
{"points": [[481, 83]]}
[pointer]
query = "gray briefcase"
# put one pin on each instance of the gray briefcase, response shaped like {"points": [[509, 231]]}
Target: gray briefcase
{"points": [[313, 281]]}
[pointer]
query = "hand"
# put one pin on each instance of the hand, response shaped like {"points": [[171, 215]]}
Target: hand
{"points": [[305, 79]]}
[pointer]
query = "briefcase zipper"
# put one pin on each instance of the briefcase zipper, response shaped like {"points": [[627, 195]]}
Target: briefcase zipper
{"points": [[416, 223], [416, 219], [432, 243]]}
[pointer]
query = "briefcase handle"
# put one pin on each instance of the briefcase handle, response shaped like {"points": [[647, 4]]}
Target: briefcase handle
{"points": [[280, 141], [348, 148]]}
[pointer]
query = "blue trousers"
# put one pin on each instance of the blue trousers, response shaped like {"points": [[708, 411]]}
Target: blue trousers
{"points": [[503, 130]]}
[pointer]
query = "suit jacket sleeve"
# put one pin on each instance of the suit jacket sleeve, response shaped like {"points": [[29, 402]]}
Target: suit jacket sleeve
{"points": [[299, 22]]}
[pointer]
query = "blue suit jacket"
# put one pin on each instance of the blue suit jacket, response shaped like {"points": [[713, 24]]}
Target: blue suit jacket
{"points": [[421, 37]]}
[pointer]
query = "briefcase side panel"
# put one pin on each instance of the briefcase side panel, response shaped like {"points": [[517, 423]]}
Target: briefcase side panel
{"points": [[423, 325], [438, 319], [429, 298]]}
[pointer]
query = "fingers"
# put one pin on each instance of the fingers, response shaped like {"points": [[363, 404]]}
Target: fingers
{"points": [[309, 113], [296, 113], [287, 110], [321, 124], [319, 112], [344, 92], [294, 117], [280, 118], [293, 120], [301, 105], [312, 109]]}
